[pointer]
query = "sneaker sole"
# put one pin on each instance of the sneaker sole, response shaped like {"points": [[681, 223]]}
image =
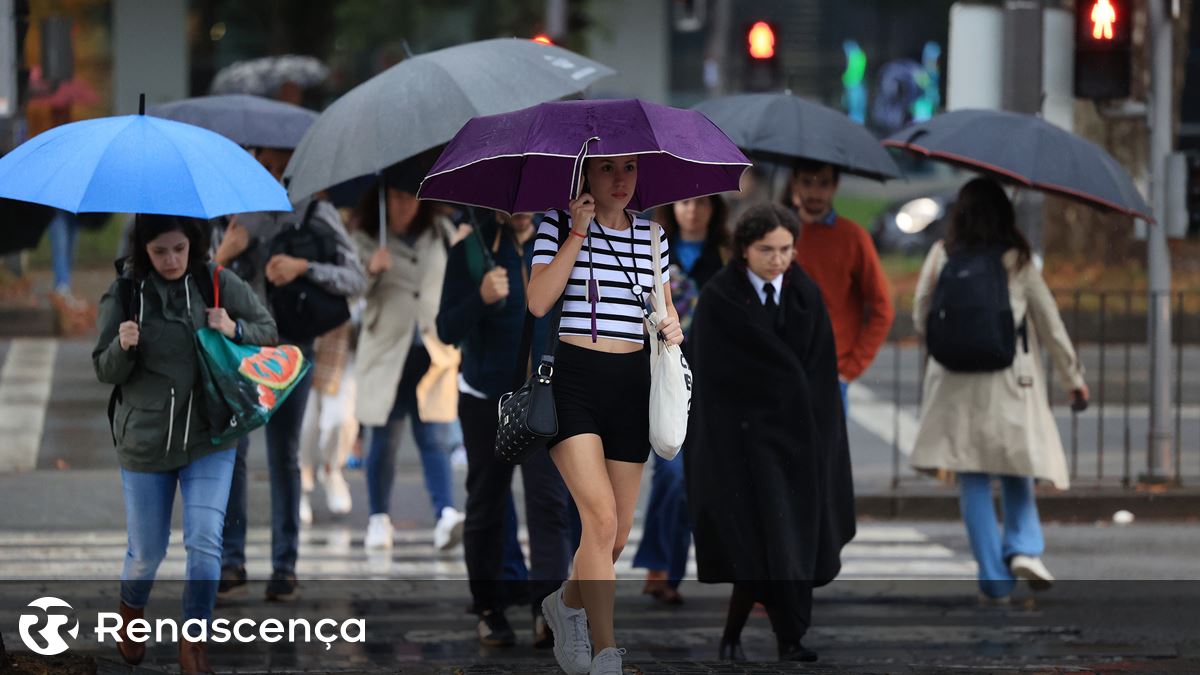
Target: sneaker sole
{"points": [[456, 536], [1036, 582], [550, 612]]}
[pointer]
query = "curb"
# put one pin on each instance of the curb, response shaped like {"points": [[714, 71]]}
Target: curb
{"points": [[1084, 505]]}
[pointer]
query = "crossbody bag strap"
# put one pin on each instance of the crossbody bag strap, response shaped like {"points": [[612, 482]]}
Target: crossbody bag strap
{"points": [[521, 371]]}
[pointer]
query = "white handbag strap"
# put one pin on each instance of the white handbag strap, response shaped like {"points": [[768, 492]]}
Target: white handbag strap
{"points": [[660, 306]]}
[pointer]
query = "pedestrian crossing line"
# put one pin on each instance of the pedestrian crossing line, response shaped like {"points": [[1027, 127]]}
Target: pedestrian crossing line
{"points": [[24, 392], [879, 552]]}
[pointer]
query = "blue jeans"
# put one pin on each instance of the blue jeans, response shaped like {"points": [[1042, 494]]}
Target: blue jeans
{"points": [[434, 441], [283, 468], [1022, 529], [149, 498], [666, 533], [63, 229]]}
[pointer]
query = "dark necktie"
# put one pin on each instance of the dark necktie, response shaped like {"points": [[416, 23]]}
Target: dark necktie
{"points": [[771, 306]]}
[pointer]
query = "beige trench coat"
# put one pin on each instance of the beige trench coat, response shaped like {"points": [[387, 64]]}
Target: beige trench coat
{"points": [[398, 300], [997, 423]]}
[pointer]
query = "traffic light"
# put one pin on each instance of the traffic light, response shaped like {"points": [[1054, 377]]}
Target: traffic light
{"points": [[762, 69], [1103, 48]]}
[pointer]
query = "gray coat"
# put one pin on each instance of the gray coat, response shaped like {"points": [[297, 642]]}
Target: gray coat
{"points": [[345, 278]]}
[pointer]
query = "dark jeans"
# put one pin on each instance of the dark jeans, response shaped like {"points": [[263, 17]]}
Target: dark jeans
{"points": [[283, 465], [489, 484], [666, 531]]}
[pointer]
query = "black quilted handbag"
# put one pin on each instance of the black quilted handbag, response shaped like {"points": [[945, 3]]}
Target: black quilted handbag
{"points": [[527, 418]]}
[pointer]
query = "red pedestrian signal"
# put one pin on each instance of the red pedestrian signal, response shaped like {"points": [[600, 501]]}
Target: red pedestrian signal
{"points": [[761, 39], [1103, 49], [1104, 15]]}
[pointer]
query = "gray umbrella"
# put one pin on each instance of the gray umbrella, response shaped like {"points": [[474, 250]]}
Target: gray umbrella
{"points": [[265, 76], [250, 121], [423, 101], [782, 127], [1028, 151]]}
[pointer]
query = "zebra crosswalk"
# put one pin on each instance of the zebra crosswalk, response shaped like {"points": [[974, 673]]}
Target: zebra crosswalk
{"points": [[879, 552]]}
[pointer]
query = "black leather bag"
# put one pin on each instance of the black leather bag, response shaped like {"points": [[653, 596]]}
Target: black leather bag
{"points": [[302, 309], [527, 417]]}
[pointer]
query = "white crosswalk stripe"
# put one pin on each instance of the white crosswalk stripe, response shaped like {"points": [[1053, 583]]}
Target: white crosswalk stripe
{"points": [[883, 552], [24, 391]]}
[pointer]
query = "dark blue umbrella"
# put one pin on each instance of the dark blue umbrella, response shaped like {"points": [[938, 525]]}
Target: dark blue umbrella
{"points": [[250, 121], [781, 128], [139, 164], [1028, 151]]}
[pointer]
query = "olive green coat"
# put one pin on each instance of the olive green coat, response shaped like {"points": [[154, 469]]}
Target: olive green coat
{"points": [[160, 423]]}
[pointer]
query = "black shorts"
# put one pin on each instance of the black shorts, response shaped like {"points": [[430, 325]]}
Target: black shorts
{"points": [[607, 395]]}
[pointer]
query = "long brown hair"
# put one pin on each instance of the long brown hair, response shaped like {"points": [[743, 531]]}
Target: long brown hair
{"points": [[983, 217], [367, 214]]}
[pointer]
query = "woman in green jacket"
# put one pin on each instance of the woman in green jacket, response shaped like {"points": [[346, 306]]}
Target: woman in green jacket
{"points": [[147, 350]]}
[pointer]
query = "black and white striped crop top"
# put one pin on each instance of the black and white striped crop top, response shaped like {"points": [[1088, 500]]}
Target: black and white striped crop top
{"points": [[619, 311]]}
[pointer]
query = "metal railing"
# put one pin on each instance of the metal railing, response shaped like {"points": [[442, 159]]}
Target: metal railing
{"points": [[1108, 444]]}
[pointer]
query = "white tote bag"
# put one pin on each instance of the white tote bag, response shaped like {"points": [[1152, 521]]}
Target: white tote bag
{"points": [[670, 375]]}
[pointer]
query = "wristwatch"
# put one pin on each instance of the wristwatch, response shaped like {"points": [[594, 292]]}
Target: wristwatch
{"points": [[237, 332]]}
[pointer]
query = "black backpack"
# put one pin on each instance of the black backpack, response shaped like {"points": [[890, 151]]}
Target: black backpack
{"points": [[971, 327], [302, 309]]}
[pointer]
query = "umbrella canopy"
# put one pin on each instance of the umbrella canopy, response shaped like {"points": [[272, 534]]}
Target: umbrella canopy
{"points": [[782, 127], [250, 121], [527, 160], [139, 164], [423, 101], [264, 77], [1028, 151]]}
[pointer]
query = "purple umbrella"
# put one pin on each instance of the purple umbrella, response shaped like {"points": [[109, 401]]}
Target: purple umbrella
{"points": [[528, 160]]}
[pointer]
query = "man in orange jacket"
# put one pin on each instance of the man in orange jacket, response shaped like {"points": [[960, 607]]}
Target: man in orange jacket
{"points": [[840, 257]]}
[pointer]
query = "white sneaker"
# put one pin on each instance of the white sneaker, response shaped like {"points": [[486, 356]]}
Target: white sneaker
{"points": [[607, 662], [379, 531], [449, 529], [305, 509], [1032, 570], [337, 492], [572, 643]]}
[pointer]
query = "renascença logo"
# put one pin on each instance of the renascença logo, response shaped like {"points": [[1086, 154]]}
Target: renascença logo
{"points": [[51, 633]]}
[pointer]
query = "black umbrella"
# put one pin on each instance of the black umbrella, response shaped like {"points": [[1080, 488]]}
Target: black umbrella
{"points": [[1028, 151], [251, 121], [781, 128]]}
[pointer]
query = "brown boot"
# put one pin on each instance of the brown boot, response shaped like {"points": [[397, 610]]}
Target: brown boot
{"points": [[132, 652], [193, 658]]}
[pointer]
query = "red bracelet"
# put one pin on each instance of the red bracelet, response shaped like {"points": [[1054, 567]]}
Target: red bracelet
{"points": [[577, 234]]}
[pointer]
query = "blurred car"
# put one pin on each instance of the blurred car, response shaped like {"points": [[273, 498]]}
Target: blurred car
{"points": [[912, 225]]}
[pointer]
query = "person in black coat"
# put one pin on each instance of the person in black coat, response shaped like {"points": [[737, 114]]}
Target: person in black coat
{"points": [[770, 492]]}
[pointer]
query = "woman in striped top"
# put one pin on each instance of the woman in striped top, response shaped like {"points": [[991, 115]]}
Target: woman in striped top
{"points": [[602, 390]]}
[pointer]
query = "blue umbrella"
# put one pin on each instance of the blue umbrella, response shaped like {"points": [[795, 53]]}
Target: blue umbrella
{"points": [[139, 164], [250, 121]]}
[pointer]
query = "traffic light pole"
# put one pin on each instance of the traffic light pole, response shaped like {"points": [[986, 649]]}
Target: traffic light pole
{"points": [[1158, 457]]}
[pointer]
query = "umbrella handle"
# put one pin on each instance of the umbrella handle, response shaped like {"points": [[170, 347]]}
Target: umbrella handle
{"points": [[577, 169], [382, 212]]}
